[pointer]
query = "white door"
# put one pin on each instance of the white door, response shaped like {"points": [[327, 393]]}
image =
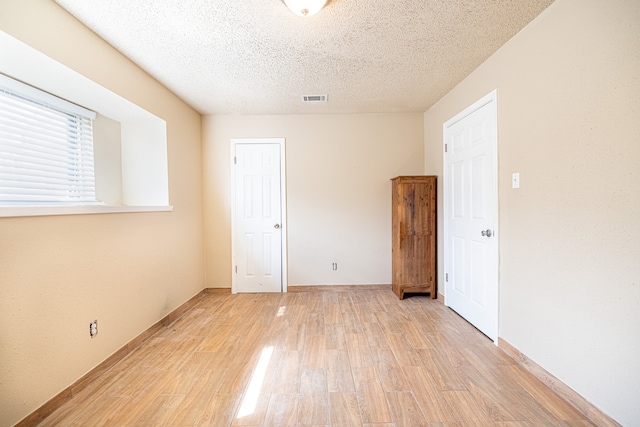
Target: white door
{"points": [[471, 215], [258, 206]]}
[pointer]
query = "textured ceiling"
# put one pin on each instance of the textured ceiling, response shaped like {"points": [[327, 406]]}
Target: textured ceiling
{"points": [[257, 57]]}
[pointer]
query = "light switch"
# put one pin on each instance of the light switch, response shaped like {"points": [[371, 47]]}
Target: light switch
{"points": [[515, 180]]}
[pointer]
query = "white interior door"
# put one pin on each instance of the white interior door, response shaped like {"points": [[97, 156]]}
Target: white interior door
{"points": [[471, 215], [258, 226]]}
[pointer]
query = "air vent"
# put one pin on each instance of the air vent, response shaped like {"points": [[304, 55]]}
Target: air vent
{"points": [[314, 98]]}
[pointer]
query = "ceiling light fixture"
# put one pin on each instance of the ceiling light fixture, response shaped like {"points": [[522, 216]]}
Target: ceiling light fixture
{"points": [[305, 7]]}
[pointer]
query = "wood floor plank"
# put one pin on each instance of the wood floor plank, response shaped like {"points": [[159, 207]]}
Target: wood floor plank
{"points": [[452, 424], [530, 410], [334, 338], [159, 411], [315, 302], [388, 322], [344, 357], [194, 367], [405, 410], [100, 413], [371, 397], [352, 323], [404, 354], [86, 398], [339, 377], [220, 336], [344, 410], [139, 400], [313, 355], [345, 300], [376, 338], [313, 381], [191, 408], [470, 411], [495, 403], [282, 410], [255, 400], [390, 372], [359, 351], [442, 371], [315, 323], [236, 377], [219, 412], [433, 405], [297, 313], [578, 423], [313, 409], [490, 369], [332, 313], [288, 380], [413, 335], [294, 337], [514, 424], [544, 395]]}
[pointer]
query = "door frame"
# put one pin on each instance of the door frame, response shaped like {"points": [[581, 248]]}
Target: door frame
{"points": [[283, 204], [490, 98]]}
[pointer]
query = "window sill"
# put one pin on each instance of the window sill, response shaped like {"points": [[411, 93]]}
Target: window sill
{"points": [[17, 211]]}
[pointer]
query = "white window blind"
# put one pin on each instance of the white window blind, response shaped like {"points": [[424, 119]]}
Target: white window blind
{"points": [[46, 148]]}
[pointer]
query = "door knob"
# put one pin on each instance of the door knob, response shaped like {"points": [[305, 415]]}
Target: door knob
{"points": [[487, 233], [277, 226]]}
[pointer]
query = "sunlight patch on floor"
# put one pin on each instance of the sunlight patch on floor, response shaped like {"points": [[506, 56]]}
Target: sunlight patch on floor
{"points": [[250, 399]]}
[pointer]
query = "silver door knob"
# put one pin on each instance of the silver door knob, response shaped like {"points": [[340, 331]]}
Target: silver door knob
{"points": [[277, 226], [487, 233]]}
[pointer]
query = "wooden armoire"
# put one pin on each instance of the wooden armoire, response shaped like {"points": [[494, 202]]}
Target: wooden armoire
{"points": [[414, 235]]}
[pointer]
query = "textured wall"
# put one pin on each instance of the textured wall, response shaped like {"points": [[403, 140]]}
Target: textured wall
{"points": [[568, 105], [338, 191], [126, 270]]}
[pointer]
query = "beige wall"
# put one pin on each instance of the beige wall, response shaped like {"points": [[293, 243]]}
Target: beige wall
{"points": [[338, 191], [569, 122], [107, 159], [126, 270]]}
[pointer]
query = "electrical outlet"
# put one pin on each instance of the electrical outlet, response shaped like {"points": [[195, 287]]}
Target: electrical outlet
{"points": [[334, 266], [93, 328]]}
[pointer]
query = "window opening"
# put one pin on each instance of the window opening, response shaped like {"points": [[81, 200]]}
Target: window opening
{"points": [[46, 148]]}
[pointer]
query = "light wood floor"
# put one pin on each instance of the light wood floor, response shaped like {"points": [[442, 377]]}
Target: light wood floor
{"points": [[323, 358]]}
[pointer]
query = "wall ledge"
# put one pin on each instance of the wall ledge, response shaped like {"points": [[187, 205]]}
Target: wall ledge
{"points": [[22, 211]]}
